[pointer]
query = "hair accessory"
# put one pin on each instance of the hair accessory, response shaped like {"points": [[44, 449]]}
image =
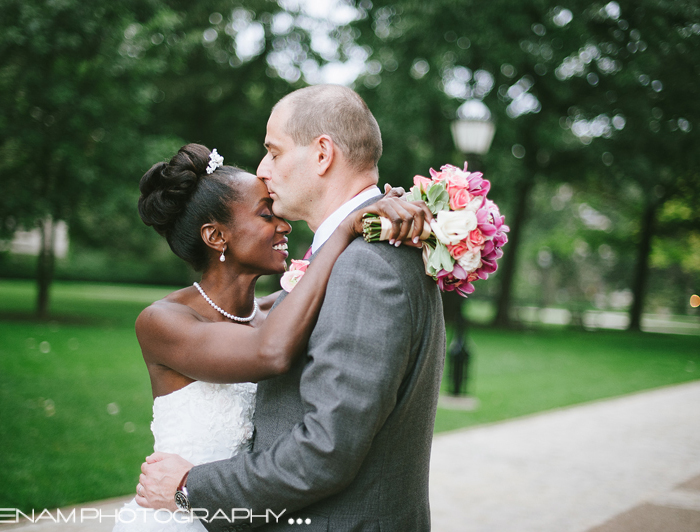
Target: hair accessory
{"points": [[215, 160], [222, 311], [222, 257]]}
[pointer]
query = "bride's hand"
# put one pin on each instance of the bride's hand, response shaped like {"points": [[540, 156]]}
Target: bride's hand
{"points": [[394, 192], [407, 219]]}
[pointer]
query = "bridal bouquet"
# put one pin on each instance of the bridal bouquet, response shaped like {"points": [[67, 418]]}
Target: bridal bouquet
{"points": [[466, 235]]}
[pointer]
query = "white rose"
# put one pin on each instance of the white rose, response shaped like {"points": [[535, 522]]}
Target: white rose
{"points": [[470, 261], [451, 227], [426, 258], [475, 204]]}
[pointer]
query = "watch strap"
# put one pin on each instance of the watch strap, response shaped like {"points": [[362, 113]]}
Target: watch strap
{"points": [[182, 499], [183, 482]]}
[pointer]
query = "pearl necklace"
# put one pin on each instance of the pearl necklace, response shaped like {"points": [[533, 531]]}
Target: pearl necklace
{"points": [[222, 311]]}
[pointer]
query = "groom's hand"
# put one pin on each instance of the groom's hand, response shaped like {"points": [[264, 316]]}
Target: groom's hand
{"points": [[161, 474]]}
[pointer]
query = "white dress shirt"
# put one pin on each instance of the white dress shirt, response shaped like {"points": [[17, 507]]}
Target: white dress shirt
{"points": [[330, 224]]}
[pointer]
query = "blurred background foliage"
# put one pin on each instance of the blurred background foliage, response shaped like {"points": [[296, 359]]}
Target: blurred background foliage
{"points": [[594, 161]]}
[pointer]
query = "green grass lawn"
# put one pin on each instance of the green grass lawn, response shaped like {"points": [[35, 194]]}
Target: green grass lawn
{"points": [[58, 384], [514, 373], [75, 400]]}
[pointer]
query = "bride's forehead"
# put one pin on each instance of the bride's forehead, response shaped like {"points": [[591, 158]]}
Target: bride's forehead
{"points": [[250, 187]]}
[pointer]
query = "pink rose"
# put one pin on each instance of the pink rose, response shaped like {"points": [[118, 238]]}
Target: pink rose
{"points": [[299, 265], [459, 197], [457, 179], [438, 176], [423, 183], [290, 279], [458, 249], [475, 240], [293, 276], [457, 187]]}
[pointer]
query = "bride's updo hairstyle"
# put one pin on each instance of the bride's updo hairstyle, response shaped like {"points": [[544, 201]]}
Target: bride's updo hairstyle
{"points": [[178, 197]]}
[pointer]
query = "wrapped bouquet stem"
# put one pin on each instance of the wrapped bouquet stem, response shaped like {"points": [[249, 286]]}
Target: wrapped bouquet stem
{"points": [[464, 241], [376, 228]]}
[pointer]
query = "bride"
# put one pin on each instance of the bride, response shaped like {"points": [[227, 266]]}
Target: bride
{"points": [[207, 345]]}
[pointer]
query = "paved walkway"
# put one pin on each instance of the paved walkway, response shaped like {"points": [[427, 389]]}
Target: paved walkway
{"points": [[630, 464], [600, 467]]}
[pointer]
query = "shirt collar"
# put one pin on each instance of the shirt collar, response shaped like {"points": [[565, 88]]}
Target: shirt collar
{"points": [[330, 224]]}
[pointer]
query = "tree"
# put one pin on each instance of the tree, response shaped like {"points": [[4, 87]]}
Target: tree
{"points": [[637, 94], [96, 92], [431, 56], [579, 92], [73, 102]]}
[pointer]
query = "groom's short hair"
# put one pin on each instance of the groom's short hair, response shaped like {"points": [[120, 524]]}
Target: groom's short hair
{"points": [[342, 114]]}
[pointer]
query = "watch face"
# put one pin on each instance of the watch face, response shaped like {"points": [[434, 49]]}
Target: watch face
{"points": [[181, 501]]}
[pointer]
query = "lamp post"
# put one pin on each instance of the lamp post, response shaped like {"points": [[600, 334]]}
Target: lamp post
{"points": [[473, 130], [472, 133]]}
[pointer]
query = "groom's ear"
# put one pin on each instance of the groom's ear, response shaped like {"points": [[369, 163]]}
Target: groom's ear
{"points": [[325, 153]]}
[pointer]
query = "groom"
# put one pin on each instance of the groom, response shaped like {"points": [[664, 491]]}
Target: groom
{"points": [[343, 439]]}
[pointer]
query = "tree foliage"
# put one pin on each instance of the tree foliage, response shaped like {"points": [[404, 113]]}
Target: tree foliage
{"points": [[96, 92], [71, 104], [599, 95]]}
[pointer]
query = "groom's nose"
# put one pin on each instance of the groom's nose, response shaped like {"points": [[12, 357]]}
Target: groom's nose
{"points": [[265, 182], [263, 171]]}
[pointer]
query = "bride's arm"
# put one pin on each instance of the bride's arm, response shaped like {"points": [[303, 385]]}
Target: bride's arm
{"points": [[172, 335]]}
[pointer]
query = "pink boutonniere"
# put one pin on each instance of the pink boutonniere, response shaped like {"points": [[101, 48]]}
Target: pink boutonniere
{"points": [[293, 276]]}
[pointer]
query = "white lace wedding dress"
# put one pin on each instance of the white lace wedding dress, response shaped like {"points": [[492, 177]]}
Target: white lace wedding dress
{"points": [[201, 422]]}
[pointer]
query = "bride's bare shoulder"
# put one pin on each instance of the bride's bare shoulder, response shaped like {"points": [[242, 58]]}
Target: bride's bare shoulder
{"points": [[173, 307], [182, 296]]}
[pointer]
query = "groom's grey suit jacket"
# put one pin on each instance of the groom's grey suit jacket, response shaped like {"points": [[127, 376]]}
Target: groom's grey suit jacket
{"points": [[344, 438]]}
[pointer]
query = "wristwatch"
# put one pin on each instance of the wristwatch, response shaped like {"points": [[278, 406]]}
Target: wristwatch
{"points": [[182, 500]]}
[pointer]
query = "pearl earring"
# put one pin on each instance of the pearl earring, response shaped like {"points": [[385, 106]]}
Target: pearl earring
{"points": [[222, 258]]}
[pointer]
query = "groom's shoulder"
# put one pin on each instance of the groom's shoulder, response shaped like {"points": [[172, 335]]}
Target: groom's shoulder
{"points": [[380, 259]]}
